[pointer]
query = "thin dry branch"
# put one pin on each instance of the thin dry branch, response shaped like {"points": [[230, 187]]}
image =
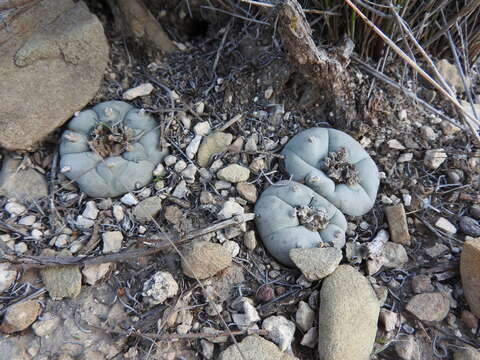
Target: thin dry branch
{"points": [[6, 255], [471, 122]]}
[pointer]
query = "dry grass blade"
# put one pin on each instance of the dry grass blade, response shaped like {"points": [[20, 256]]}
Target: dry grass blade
{"points": [[471, 122]]}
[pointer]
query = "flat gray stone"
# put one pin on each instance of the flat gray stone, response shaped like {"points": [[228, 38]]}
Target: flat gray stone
{"points": [[204, 259], [429, 306], [254, 347], [316, 263], [61, 281], [348, 316], [26, 185], [147, 209], [234, 173], [213, 144]]}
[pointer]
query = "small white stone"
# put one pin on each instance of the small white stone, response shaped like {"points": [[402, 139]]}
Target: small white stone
{"points": [[185, 120], [140, 90], [145, 193], [202, 128], [434, 158], [207, 349], [21, 247], [93, 273], [142, 229], [229, 209], [402, 115], [304, 316], [170, 160], [216, 165], [27, 220], [310, 339], [193, 146], [268, 93], [189, 173], [159, 288], [250, 240], [84, 223], [446, 226], [15, 209], [76, 246], [62, 240], [200, 108], [232, 247], [160, 171], [407, 199], [248, 318], [8, 274], [112, 241], [118, 212], [36, 234], [280, 330], [181, 190], [91, 210], [180, 166], [129, 199], [222, 185], [405, 157], [395, 145], [389, 319]]}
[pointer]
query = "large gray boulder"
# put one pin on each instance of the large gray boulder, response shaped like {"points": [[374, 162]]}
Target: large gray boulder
{"points": [[53, 54], [348, 316]]}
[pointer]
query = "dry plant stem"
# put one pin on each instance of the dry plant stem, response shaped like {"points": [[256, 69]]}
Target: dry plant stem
{"points": [[469, 119], [190, 336], [6, 255], [328, 70], [380, 76], [12, 4], [142, 24]]}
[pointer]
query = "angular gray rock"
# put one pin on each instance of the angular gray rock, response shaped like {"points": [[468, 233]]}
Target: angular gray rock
{"points": [[61, 281], [147, 209], [234, 173], [469, 353], [316, 263], [348, 316], [57, 45], [20, 316], [429, 306], [25, 185], [254, 347], [204, 259], [213, 144]]}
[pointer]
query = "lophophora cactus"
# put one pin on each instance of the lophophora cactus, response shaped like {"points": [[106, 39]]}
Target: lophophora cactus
{"points": [[335, 166], [290, 215], [110, 149], [339, 178]]}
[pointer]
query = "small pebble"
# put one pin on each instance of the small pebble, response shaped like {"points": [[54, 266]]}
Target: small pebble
{"points": [[129, 200], [15, 209], [140, 90], [202, 128]]}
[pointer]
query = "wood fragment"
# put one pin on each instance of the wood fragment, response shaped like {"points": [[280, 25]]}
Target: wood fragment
{"points": [[141, 23], [326, 69], [158, 245]]}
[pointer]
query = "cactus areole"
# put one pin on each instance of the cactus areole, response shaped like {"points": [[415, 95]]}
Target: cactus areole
{"points": [[110, 149]]}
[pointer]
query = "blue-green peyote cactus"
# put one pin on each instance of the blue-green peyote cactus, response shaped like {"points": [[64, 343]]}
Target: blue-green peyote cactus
{"points": [[289, 215], [335, 166], [111, 149]]}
